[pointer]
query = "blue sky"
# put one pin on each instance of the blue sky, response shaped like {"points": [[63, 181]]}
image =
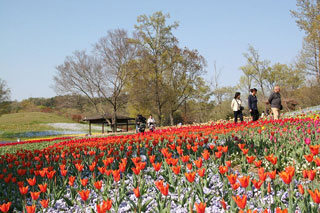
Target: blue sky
{"points": [[37, 35]]}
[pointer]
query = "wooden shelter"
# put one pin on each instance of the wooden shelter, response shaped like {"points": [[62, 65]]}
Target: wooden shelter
{"points": [[107, 119]]}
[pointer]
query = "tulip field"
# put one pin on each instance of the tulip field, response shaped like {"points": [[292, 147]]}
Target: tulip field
{"points": [[264, 166]]}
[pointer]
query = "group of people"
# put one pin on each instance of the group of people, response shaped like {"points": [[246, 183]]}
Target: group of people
{"points": [[274, 100], [142, 123]]}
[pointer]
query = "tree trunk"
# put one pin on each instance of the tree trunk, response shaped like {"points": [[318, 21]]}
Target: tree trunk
{"points": [[171, 118], [114, 119]]}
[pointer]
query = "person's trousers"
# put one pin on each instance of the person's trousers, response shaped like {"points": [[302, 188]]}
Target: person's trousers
{"points": [[238, 114], [254, 114], [276, 113]]}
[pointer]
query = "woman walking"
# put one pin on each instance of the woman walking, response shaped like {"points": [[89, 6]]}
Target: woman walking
{"points": [[237, 108], [253, 104]]}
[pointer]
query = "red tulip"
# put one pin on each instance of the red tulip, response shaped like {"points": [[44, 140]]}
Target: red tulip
{"points": [[5, 207]]}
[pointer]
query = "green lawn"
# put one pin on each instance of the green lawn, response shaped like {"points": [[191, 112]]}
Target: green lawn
{"points": [[13, 124]]}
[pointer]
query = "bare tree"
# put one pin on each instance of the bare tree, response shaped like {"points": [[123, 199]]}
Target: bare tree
{"points": [[215, 83], [117, 55], [259, 68], [100, 77]]}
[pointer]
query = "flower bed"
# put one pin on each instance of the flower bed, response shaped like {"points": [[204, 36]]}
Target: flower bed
{"points": [[261, 166]]}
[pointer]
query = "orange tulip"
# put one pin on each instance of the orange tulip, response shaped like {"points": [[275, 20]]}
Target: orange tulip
{"points": [[201, 172], [35, 195], [189, 166], [257, 163], [272, 159], [241, 146], [190, 176], [198, 162], [287, 175], [71, 180], [317, 161], [185, 158], [223, 204], [232, 178], [309, 157], [136, 192], [84, 182], [235, 186], [241, 202], [257, 184], [205, 154], [98, 184], [311, 174], [51, 174], [176, 169], [245, 151], [218, 154], [5, 207], [31, 209], [24, 190], [32, 181], [200, 207], [223, 169], [84, 194], [314, 149], [79, 167], [106, 206], [44, 203], [272, 174], [301, 189], [43, 187], [315, 195], [157, 166], [278, 210], [116, 175], [244, 181], [250, 159]]}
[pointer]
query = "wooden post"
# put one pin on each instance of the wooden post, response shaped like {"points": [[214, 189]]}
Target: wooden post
{"points": [[127, 126], [89, 127], [102, 127]]}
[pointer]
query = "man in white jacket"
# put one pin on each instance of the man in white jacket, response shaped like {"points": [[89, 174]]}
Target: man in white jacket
{"points": [[236, 107]]}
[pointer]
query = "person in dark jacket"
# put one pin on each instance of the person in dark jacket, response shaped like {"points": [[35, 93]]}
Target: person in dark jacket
{"points": [[275, 102], [253, 104]]}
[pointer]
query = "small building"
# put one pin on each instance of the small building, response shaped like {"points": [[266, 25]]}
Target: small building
{"points": [[106, 119]]}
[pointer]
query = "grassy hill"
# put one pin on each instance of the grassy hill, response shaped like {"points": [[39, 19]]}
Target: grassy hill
{"points": [[11, 125]]}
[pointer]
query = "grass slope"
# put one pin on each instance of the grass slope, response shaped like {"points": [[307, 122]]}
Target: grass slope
{"points": [[15, 123]]}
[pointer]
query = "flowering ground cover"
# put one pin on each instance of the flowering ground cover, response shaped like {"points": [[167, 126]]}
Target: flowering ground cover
{"points": [[249, 167]]}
